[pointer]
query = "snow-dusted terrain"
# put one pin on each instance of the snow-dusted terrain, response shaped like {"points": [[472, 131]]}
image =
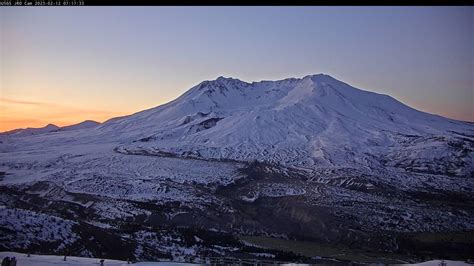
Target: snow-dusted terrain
{"points": [[293, 158], [47, 260]]}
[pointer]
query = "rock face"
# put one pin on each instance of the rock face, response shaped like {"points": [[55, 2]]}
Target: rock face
{"points": [[311, 159]]}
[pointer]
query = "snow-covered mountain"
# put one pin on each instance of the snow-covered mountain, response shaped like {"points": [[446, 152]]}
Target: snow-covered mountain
{"points": [[311, 122], [315, 121]]}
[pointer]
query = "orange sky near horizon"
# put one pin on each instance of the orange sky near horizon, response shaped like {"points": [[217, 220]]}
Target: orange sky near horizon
{"points": [[22, 114]]}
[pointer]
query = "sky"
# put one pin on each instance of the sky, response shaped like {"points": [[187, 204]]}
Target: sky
{"points": [[63, 65]]}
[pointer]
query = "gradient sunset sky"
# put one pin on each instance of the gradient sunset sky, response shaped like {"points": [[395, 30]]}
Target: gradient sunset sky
{"points": [[63, 65]]}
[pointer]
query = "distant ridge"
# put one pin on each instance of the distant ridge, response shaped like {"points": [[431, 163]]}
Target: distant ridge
{"points": [[49, 128]]}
